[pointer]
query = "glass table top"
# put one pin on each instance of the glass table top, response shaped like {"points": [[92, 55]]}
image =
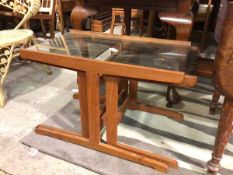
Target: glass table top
{"points": [[126, 50]]}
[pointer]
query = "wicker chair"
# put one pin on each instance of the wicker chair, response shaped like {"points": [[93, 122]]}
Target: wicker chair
{"points": [[12, 39]]}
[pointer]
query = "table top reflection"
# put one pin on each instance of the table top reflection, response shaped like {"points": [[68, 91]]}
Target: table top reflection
{"points": [[146, 52]]}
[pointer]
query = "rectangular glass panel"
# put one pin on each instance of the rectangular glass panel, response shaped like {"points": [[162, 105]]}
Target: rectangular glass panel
{"points": [[119, 49]]}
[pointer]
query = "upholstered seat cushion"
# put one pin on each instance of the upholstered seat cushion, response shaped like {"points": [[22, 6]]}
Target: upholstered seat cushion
{"points": [[15, 36]]}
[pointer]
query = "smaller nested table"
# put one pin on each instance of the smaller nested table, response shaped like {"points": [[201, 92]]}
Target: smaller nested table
{"points": [[117, 62]]}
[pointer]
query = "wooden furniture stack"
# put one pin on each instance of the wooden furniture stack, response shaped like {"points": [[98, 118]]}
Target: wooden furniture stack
{"points": [[119, 12], [182, 6], [101, 21]]}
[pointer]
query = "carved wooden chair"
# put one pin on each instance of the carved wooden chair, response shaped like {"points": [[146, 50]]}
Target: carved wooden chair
{"points": [[223, 73], [205, 66], [11, 39]]}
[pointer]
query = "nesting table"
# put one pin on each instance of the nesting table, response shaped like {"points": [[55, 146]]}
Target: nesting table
{"points": [[116, 62]]}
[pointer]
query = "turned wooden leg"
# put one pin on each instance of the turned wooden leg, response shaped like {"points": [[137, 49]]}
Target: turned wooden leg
{"points": [[214, 102], [223, 134], [172, 96]]}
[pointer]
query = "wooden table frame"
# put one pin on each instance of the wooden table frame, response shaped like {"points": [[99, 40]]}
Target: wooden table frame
{"points": [[89, 73]]}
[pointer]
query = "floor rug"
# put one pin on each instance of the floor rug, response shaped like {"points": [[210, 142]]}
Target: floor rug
{"points": [[190, 142]]}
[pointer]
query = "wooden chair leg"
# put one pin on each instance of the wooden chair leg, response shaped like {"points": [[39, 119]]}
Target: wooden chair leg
{"points": [[43, 27], [223, 134], [113, 22], [52, 28], [151, 22], [123, 29], [60, 17], [133, 89], [111, 110], [172, 96], [141, 22], [206, 25], [67, 23], [214, 102]]}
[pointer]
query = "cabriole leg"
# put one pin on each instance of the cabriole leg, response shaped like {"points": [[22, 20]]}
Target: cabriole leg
{"points": [[223, 134]]}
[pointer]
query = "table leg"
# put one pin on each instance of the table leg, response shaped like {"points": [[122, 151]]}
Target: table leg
{"points": [[135, 105], [183, 6], [83, 103], [127, 18], [224, 132], [93, 103], [151, 22], [112, 117], [133, 89], [111, 109], [155, 161]]}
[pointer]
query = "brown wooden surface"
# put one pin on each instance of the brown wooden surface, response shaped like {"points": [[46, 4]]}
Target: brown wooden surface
{"points": [[223, 73], [157, 5], [82, 83], [101, 21], [93, 104], [106, 148], [112, 117], [111, 109], [106, 68], [90, 71], [156, 110], [182, 22], [181, 6]]}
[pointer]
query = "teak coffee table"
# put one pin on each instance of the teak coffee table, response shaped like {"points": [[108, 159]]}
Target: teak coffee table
{"points": [[119, 62]]}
